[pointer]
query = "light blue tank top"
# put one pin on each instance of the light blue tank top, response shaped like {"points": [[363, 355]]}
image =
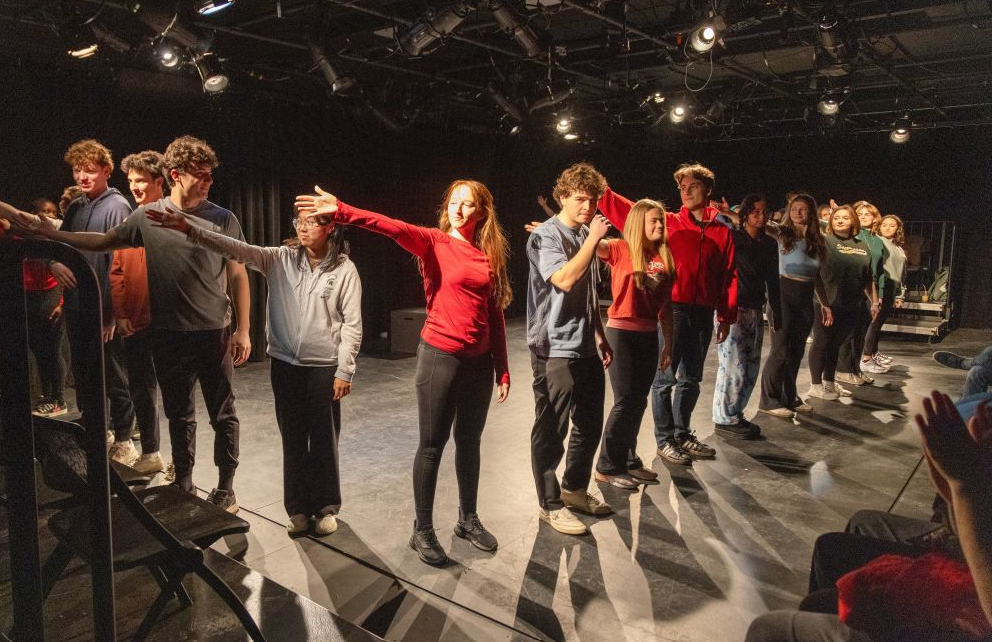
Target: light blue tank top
{"points": [[797, 264]]}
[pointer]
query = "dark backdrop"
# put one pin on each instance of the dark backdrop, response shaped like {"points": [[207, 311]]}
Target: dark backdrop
{"points": [[272, 149]]}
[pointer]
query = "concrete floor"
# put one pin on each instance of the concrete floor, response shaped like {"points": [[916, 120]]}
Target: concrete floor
{"points": [[694, 558]]}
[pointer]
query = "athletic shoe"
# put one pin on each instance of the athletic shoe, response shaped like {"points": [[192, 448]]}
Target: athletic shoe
{"points": [[696, 448], [325, 525], [225, 499], [802, 406], [170, 472], [149, 463], [743, 430], [563, 521], [110, 438], [124, 452], [874, 367], [841, 391], [820, 392], [56, 407], [583, 502], [883, 359], [849, 377], [424, 541], [867, 379], [297, 524], [643, 475], [784, 413], [951, 360], [626, 482], [674, 453], [472, 529]]}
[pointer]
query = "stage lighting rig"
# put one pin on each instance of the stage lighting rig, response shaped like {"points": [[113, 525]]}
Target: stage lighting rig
{"points": [[510, 22], [211, 73], [339, 84], [208, 7], [433, 26]]}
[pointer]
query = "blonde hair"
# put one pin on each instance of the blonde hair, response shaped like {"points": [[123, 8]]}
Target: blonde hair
{"points": [[876, 216], [641, 249], [488, 237], [899, 238], [89, 151]]}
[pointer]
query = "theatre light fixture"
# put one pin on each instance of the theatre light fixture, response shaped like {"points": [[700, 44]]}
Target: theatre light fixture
{"points": [[431, 27], [564, 125], [677, 114], [707, 33], [211, 73], [900, 132], [207, 7], [510, 22], [339, 84], [828, 105], [84, 52], [167, 54], [571, 136]]}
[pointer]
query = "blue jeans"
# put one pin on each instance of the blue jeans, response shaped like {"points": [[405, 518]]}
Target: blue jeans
{"points": [[676, 389], [740, 359], [979, 373]]}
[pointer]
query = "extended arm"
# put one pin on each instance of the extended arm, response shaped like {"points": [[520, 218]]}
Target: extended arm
{"points": [[615, 208]]}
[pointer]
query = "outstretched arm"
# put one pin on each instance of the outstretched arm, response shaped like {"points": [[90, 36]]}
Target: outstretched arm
{"points": [[255, 257], [42, 226]]}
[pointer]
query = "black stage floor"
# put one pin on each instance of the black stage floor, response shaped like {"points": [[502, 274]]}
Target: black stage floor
{"points": [[694, 558]]}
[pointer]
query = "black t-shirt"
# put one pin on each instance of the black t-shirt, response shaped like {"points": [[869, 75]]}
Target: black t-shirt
{"points": [[846, 270]]}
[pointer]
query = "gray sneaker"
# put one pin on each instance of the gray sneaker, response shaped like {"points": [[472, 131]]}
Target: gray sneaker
{"points": [[225, 499], [674, 453], [951, 360]]}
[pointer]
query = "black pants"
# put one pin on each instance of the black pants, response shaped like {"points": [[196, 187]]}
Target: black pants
{"points": [[181, 359], [450, 390], [310, 423], [142, 386], [635, 361], [778, 381], [886, 303], [45, 339], [827, 340], [566, 392], [85, 375], [849, 359], [675, 390]]}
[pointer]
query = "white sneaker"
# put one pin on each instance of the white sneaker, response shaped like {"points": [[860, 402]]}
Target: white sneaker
{"points": [[785, 413], [326, 525], [874, 367], [867, 379], [849, 377], [836, 387], [820, 392], [149, 463], [803, 407], [124, 452], [563, 521], [298, 523], [883, 359]]}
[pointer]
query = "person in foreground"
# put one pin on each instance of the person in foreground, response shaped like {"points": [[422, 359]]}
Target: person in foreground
{"points": [[314, 330], [463, 343]]}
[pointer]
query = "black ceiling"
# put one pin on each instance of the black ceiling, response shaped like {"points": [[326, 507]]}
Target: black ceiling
{"points": [[600, 63]]}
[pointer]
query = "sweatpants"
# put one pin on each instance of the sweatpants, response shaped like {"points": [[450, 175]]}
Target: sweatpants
{"points": [[739, 362], [635, 360]]}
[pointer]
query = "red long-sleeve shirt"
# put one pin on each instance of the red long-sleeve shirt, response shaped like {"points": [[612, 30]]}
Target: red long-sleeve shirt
{"points": [[463, 316], [704, 256]]}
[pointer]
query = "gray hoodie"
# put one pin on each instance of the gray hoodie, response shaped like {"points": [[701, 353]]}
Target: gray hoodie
{"points": [[314, 315]]}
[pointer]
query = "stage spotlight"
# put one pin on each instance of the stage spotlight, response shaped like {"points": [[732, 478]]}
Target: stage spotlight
{"points": [[828, 105], [511, 23], [564, 125], [516, 129], [208, 7], [430, 28], [84, 52], [678, 114], [900, 130], [167, 55], [657, 98], [706, 34], [211, 73], [571, 137], [339, 84]]}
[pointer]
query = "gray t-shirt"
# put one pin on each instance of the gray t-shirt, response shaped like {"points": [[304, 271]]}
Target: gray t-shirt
{"points": [[187, 284], [559, 323]]}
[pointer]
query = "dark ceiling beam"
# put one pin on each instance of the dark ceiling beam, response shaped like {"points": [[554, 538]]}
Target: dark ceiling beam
{"points": [[871, 56]]}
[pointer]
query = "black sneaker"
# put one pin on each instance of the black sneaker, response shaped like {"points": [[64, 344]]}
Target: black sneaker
{"points": [[951, 360], [472, 529], [744, 430], [424, 541], [674, 453], [696, 448], [225, 499]]}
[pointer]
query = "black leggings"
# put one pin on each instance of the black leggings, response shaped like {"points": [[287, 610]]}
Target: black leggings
{"points": [[635, 361], [45, 339], [827, 340], [778, 380], [450, 389], [887, 300]]}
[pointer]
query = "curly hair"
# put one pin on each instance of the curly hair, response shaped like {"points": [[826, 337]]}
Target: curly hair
{"points": [[700, 172], [88, 151], [899, 238], [185, 152], [815, 247], [147, 161], [580, 177]]}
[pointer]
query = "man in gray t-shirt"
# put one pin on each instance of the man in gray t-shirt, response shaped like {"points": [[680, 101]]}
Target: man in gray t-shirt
{"points": [[564, 330]]}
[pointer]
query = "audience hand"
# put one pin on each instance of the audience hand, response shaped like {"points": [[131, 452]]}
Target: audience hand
{"points": [[63, 275], [959, 456], [170, 219]]}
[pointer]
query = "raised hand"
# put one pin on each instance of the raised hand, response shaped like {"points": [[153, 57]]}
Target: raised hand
{"points": [[598, 227], [320, 203], [170, 219], [541, 200], [959, 456]]}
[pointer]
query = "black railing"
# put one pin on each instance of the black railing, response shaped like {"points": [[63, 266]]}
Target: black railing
{"points": [[18, 440]]}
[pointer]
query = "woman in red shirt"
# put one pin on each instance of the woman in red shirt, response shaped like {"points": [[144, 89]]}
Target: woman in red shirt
{"points": [[463, 343], [642, 275]]}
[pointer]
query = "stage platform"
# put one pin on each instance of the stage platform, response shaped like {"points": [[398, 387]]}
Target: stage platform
{"points": [[692, 559]]}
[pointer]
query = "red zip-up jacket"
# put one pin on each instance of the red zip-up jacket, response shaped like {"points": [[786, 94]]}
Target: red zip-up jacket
{"points": [[704, 258]]}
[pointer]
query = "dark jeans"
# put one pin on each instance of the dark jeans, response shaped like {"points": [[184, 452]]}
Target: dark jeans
{"points": [[310, 423], [45, 338], [827, 340], [692, 330], [143, 386], [450, 390], [886, 303], [566, 392], [979, 378], [121, 414], [849, 359], [181, 359], [778, 381], [635, 360]]}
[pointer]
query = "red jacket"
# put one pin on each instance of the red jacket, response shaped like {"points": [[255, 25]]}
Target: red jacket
{"points": [[704, 258]]}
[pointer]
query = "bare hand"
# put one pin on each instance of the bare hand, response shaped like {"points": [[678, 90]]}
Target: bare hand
{"points": [[320, 203], [40, 225], [606, 351], [55, 315], [124, 327], [959, 457], [63, 275], [108, 333], [530, 227], [833, 204], [240, 346], [341, 389], [502, 392], [543, 202], [898, 303], [666, 359], [827, 315], [170, 219], [598, 227], [723, 205], [874, 310], [722, 332]]}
